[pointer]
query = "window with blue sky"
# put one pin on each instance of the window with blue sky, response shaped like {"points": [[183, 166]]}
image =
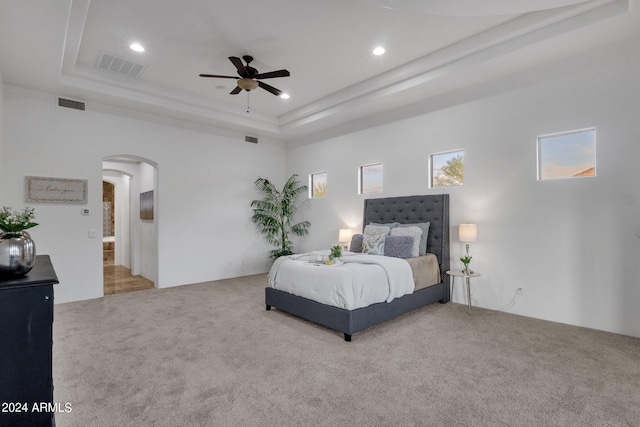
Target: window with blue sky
{"points": [[447, 169], [318, 185], [567, 155], [370, 178]]}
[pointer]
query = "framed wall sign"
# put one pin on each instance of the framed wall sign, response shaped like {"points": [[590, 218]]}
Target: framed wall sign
{"points": [[40, 189]]}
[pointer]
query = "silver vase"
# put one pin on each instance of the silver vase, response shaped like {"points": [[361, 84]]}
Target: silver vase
{"points": [[17, 253]]}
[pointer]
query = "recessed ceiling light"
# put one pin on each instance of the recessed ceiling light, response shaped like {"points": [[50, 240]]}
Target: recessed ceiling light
{"points": [[284, 96], [137, 47], [378, 51]]}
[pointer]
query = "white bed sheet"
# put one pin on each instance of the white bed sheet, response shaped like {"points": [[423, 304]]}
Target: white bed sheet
{"points": [[360, 281]]}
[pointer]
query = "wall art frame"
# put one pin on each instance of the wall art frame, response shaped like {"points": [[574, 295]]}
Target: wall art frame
{"points": [[146, 205], [39, 189]]}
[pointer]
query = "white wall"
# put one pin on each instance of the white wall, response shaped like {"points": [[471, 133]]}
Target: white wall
{"points": [[148, 238], [205, 183], [569, 244]]}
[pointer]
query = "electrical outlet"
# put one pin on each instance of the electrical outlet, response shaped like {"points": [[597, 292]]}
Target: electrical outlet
{"points": [[520, 291]]}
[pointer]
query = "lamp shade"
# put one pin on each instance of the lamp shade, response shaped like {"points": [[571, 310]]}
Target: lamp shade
{"points": [[468, 232], [345, 234]]}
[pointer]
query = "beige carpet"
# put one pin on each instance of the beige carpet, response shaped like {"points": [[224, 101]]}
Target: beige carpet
{"points": [[211, 355]]}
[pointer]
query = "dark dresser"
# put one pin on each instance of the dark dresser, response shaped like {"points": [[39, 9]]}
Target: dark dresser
{"points": [[26, 323]]}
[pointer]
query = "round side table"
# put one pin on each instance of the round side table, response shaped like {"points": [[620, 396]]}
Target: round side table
{"points": [[467, 277]]}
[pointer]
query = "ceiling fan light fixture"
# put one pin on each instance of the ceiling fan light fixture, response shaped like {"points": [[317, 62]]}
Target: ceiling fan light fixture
{"points": [[250, 78], [247, 84], [379, 51], [285, 96]]}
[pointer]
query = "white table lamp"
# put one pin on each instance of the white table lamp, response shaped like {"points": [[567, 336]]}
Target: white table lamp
{"points": [[344, 237], [468, 233]]}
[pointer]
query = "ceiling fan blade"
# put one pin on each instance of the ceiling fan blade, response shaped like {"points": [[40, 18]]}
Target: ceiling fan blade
{"points": [[273, 90], [237, 62], [236, 91], [220, 77], [272, 74]]}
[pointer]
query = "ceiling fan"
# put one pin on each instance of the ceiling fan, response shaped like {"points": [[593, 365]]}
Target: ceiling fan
{"points": [[249, 76]]}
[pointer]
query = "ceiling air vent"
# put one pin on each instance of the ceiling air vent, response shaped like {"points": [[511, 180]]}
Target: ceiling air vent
{"points": [[68, 103], [120, 65], [251, 139]]}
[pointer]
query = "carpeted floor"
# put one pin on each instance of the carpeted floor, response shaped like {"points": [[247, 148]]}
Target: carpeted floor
{"points": [[211, 355]]}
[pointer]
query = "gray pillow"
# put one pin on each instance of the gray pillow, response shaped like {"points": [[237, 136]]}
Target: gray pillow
{"points": [[389, 224], [398, 246], [415, 232], [424, 226], [377, 229], [356, 243]]}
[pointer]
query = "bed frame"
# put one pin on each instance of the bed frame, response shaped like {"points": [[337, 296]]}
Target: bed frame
{"points": [[406, 210]]}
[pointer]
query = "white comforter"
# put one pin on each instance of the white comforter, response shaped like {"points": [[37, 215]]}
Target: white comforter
{"points": [[360, 281]]}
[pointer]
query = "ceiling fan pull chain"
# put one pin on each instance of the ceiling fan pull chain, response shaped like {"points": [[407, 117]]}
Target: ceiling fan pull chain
{"points": [[248, 94]]}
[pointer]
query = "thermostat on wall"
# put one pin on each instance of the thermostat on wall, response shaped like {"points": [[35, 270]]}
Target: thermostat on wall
{"points": [[85, 211]]}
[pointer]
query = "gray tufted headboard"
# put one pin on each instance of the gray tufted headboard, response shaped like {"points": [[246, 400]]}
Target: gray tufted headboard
{"points": [[412, 209]]}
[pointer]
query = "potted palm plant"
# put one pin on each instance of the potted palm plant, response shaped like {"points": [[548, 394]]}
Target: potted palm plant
{"points": [[274, 213]]}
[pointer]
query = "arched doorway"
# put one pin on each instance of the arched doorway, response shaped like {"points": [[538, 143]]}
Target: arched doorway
{"points": [[133, 263]]}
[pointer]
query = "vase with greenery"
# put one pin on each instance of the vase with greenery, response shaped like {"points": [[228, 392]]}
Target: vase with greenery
{"points": [[17, 249], [275, 212], [335, 253], [466, 260], [13, 221]]}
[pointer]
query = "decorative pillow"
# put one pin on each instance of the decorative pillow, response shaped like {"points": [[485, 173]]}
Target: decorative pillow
{"points": [[373, 244], [414, 232], [424, 226], [398, 246], [377, 229], [389, 224], [356, 243]]}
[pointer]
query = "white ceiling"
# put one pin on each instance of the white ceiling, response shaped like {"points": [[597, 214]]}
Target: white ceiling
{"points": [[433, 48]]}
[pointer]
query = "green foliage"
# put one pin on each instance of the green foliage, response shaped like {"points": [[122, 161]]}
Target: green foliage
{"points": [[466, 260], [273, 214], [336, 252], [11, 221], [451, 174]]}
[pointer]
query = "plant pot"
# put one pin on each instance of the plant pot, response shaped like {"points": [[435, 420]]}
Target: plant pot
{"points": [[17, 253]]}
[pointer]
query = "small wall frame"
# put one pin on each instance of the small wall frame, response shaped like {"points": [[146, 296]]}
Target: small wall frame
{"points": [[146, 205]]}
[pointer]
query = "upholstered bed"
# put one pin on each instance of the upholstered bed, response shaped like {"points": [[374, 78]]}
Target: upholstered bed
{"points": [[405, 210]]}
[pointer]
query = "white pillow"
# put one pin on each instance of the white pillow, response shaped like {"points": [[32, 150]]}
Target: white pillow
{"points": [[377, 229], [373, 244], [414, 232]]}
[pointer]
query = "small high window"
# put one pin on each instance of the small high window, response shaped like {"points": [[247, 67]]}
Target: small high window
{"points": [[567, 155], [447, 169], [318, 185], [370, 179]]}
